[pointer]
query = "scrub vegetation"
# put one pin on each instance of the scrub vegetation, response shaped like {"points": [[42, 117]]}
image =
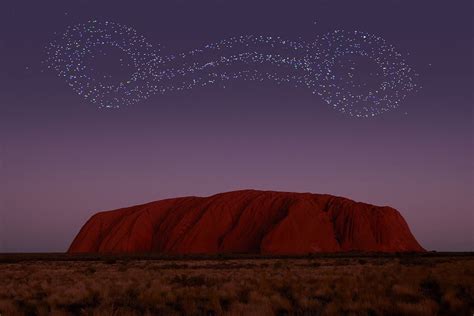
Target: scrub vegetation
{"points": [[237, 285]]}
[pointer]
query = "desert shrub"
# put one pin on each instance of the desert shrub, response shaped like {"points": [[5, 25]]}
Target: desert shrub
{"points": [[243, 295], [173, 266], [225, 303], [313, 264], [362, 261], [278, 264], [110, 261], [405, 294], [194, 280], [90, 270], [430, 287], [27, 307]]}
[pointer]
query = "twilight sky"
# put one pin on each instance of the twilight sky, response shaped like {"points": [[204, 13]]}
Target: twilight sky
{"points": [[63, 159]]}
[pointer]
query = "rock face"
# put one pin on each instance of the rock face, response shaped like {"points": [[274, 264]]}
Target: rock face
{"points": [[247, 221]]}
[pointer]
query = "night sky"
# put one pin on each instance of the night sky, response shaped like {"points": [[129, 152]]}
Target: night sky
{"points": [[62, 158]]}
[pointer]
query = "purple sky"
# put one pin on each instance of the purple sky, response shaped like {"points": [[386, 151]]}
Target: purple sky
{"points": [[62, 159]]}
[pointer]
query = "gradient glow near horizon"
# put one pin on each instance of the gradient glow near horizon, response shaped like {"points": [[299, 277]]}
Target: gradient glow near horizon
{"points": [[63, 158]]}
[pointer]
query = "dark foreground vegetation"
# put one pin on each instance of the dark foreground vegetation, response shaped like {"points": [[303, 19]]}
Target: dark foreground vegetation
{"points": [[338, 284]]}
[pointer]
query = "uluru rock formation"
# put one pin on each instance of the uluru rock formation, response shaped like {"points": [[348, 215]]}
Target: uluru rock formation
{"points": [[247, 221]]}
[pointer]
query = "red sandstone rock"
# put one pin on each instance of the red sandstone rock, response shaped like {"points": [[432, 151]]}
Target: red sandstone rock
{"points": [[248, 222]]}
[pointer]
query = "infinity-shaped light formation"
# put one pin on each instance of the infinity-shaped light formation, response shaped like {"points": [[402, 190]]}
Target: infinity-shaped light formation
{"points": [[329, 67]]}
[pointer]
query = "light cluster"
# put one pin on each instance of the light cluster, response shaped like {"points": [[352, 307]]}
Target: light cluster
{"points": [[332, 66]]}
